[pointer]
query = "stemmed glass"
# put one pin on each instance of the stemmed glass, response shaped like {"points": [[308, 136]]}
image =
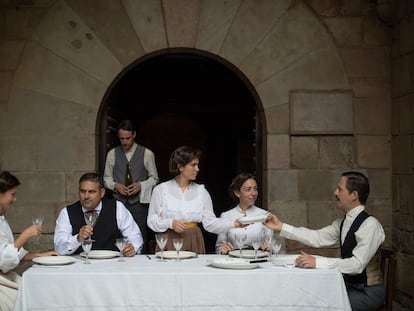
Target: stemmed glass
{"points": [[87, 246], [178, 244], [240, 239], [37, 221], [120, 243], [161, 239], [276, 245], [90, 219], [256, 244], [269, 243]]}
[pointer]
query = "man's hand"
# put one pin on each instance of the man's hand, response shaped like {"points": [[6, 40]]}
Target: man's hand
{"points": [[272, 222], [306, 261], [129, 250], [226, 248], [84, 233]]}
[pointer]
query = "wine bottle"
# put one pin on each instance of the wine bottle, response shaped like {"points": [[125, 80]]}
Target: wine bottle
{"points": [[128, 176]]}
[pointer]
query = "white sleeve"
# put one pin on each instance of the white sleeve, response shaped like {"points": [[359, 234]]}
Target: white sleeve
{"points": [[65, 242], [128, 227], [108, 177], [148, 184], [157, 220]]}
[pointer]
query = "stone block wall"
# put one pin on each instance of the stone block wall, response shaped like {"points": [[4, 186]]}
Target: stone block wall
{"points": [[402, 110]]}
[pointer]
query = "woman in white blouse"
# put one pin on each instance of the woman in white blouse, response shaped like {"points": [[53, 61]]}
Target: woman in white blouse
{"points": [[12, 251], [179, 205], [243, 190]]}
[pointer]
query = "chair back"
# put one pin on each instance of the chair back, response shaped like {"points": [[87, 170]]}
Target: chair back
{"points": [[388, 265]]}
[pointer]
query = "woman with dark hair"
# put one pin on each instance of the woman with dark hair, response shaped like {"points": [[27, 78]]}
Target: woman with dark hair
{"points": [[179, 205], [12, 251], [244, 191]]}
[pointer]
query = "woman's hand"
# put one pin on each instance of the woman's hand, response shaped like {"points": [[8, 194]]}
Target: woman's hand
{"points": [[226, 248], [178, 226]]}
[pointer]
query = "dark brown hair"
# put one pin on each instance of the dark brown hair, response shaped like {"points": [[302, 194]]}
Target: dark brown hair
{"points": [[356, 181], [181, 157], [7, 181], [237, 182]]}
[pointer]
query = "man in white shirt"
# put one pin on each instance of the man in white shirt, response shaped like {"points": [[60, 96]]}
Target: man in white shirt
{"points": [[113, 221], [358, 234], [135, 191]]}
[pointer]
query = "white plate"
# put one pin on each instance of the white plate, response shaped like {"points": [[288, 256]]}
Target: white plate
{"points": [[173, 254], [246, 220], [248, 253], [101, 254], [54, 260], [285, 260], [233, 263]]}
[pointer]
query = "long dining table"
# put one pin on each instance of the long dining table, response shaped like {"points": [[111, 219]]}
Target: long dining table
{"points": [[145, 283]]}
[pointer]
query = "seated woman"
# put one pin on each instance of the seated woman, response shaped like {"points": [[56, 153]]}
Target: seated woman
{"points": [[178, 206], [11, 252], [243, 190]]}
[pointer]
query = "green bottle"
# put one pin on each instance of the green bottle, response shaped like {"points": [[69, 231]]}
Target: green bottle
{"points": [[128, 176]]}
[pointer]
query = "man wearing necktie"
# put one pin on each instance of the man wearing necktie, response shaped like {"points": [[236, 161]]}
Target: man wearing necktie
{"points": [[359, 236], [104, 220]]}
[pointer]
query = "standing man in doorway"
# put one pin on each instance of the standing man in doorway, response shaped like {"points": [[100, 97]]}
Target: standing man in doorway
{"points": [[131, 173]]}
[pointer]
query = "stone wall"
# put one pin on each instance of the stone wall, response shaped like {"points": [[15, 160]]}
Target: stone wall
{"points": [[402, 63], [321, 70]]}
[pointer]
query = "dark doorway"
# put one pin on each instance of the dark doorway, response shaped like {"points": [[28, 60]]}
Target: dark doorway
{"points": [[188, 97]]}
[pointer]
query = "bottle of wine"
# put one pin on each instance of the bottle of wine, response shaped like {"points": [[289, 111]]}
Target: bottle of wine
{"points": [[128, 176]]}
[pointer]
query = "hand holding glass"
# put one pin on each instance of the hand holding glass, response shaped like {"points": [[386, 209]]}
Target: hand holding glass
{"points": [[37, 221], [90, 219], [161, 239]]}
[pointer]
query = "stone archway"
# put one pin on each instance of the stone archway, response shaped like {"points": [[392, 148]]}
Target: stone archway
{"points": [[74, 55]]}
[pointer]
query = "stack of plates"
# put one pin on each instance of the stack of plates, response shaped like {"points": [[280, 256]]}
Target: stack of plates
{"points": [[248, 253], [101, 254], [233, 263], [173, 254]]}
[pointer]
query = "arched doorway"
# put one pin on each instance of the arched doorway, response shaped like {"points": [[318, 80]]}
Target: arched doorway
{"points": [[188, 97]]}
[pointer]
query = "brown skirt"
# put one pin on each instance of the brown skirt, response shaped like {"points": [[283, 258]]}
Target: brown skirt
{"points": [[193, 240]]}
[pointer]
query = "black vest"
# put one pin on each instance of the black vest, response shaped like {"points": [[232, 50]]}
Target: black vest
{"points": [[348, 246], [105, 230]]}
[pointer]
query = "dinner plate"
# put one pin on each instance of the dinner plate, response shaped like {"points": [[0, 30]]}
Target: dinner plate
{"points": [[173, 254], [101, 254], [54, 260], [246, 220], [248, 253], [285, 260], [233, 263]]}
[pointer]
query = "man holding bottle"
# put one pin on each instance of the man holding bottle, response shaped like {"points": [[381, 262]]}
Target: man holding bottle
{"points": [[131, 173]]}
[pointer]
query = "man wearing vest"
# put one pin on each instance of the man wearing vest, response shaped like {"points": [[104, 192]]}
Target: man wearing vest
{"points": [[113, 221], [131, 173], [359, 236]]}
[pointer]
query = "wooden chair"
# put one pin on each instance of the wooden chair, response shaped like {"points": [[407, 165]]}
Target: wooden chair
{"points": [[387, 265]]}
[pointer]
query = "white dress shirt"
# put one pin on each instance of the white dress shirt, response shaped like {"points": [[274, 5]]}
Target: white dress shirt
{"points": [[169, 202], [256, 231], [369, 238], [67, 244], [149, 163]]}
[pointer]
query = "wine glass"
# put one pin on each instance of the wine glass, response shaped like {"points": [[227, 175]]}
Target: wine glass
{"points": [[161, 239], [87, 246], [90, 219], [276, 245], [120, 244], [178, 244], [240, 239], [37, 221], [256, 244], [269, 243]]}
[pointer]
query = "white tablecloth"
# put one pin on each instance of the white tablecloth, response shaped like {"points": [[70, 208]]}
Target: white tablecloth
{"points": [[191, 284]]}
